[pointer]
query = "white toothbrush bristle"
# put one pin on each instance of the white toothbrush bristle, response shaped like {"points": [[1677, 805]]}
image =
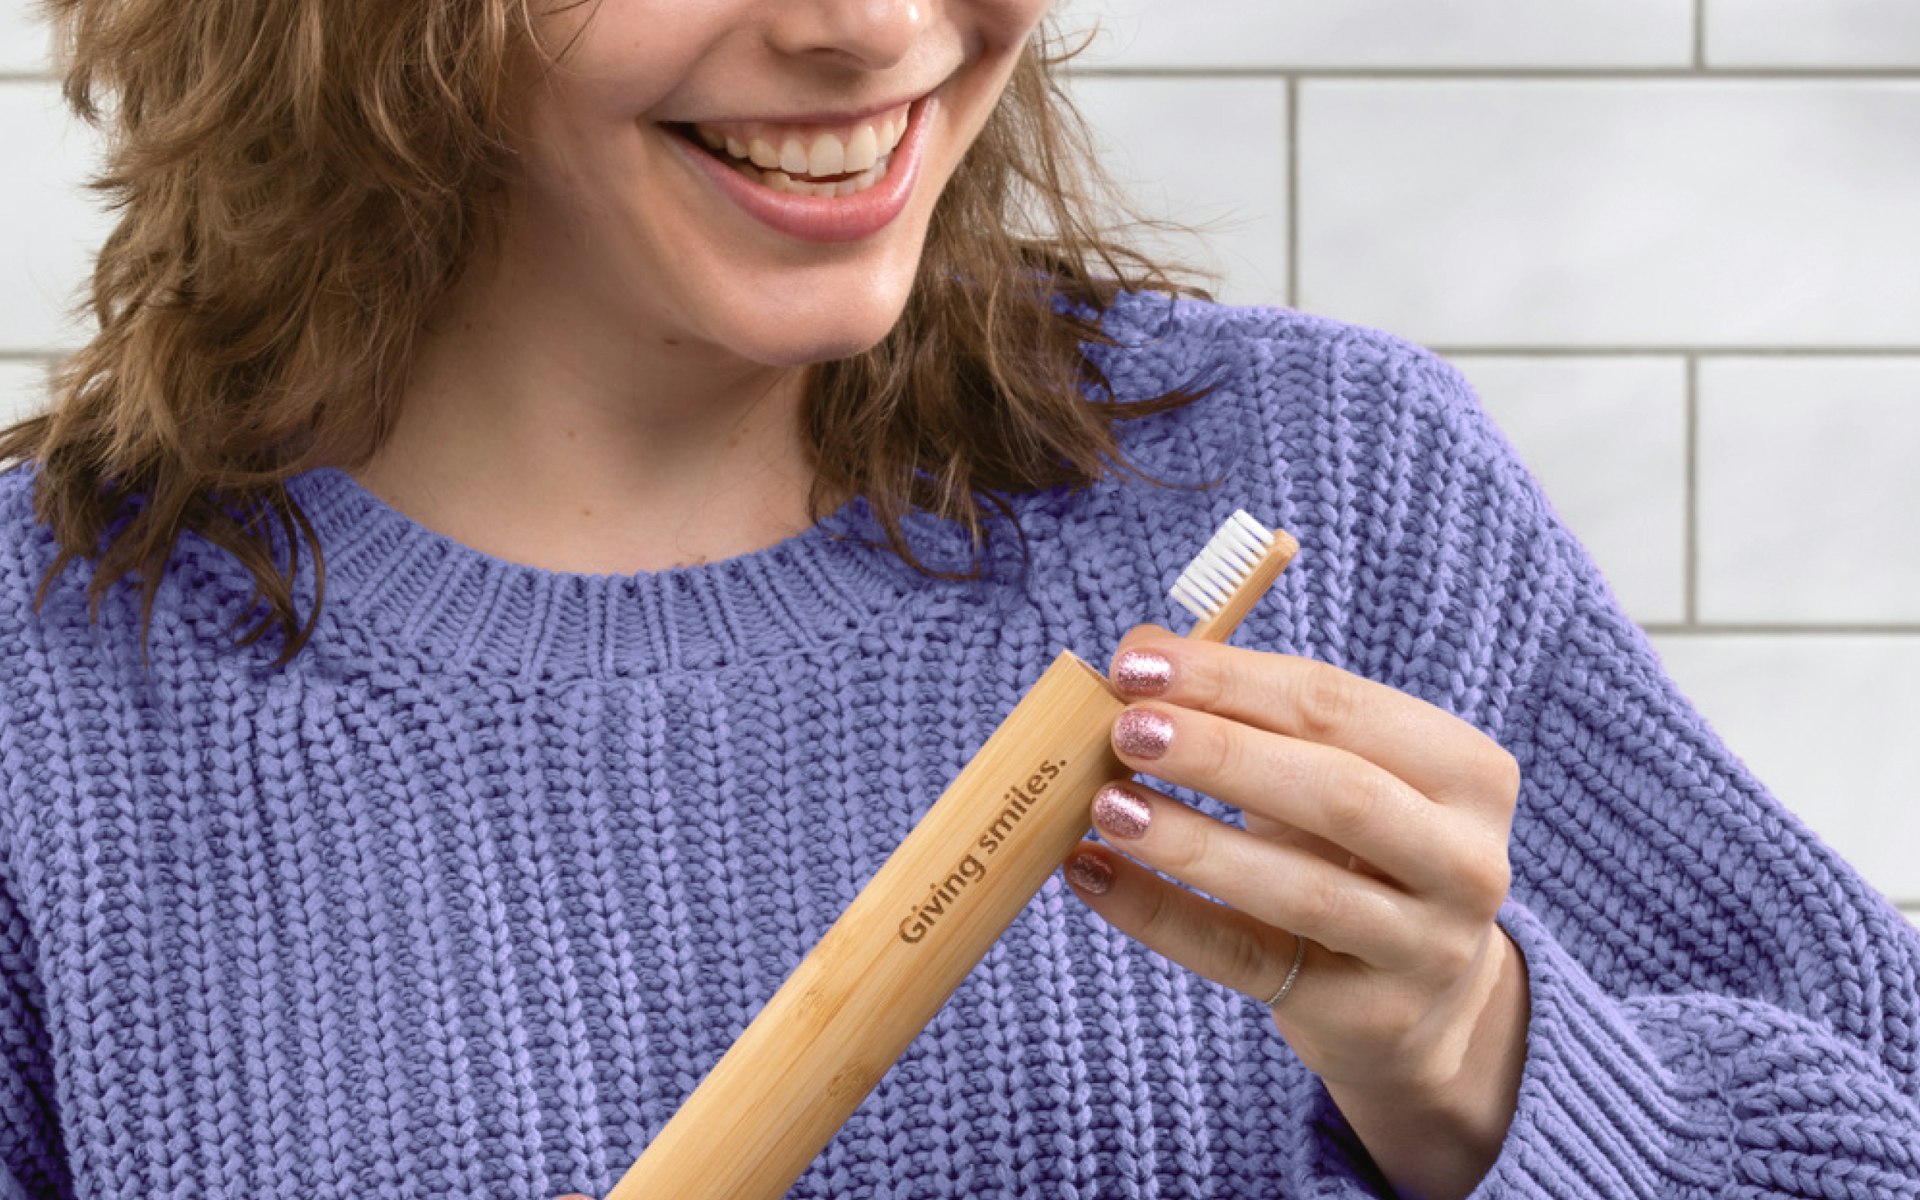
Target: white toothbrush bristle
{"points": [[1227, 559]]}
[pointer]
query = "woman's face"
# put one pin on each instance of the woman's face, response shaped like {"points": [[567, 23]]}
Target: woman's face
{"points": [[755, 175]]}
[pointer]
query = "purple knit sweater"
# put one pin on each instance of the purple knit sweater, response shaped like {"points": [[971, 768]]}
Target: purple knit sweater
{"points": [[467, 899]]}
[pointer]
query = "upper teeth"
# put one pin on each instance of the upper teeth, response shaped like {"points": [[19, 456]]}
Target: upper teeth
{"points": [[810, 150]]}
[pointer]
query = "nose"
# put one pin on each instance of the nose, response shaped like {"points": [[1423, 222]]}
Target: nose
{"points": [[873, 34]]}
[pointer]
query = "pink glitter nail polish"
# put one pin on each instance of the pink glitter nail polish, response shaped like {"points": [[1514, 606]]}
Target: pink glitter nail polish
{"points": [[1090, 873], [1142, 673], [1120, 811], [1142, 733]]}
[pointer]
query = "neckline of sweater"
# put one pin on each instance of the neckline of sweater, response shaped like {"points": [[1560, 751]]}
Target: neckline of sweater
{"points": [[459, 607]]}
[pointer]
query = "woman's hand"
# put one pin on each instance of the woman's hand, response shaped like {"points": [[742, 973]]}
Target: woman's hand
{"points": [[1376, 828]]}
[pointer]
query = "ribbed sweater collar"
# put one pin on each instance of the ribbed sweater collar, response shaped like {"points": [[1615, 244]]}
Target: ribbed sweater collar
{"points": [[457, 607]]}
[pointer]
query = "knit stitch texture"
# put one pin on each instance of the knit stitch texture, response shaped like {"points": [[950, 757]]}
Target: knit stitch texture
{"points": [[468, 898]]}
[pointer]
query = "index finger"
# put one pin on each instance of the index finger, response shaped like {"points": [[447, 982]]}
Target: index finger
{"points": [[1445, 758]]}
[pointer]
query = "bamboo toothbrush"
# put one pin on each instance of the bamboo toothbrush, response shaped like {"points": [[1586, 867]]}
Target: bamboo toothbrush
{"points": [[928, 915]]}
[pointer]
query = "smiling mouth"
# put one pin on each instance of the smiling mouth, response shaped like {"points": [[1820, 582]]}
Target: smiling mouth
{"points": [[809, 160]]}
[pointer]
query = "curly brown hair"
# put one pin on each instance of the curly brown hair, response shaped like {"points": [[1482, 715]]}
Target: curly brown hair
{"points": [[298, 184]]}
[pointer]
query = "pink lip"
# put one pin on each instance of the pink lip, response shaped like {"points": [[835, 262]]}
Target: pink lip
{"points": [[821, 218]]}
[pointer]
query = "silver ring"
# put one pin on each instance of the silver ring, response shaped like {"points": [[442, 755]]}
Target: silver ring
{"points": [[1293, 972]]}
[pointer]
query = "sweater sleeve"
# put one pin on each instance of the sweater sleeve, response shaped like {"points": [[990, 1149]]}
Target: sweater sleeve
{"points": [[30, 1165], [1720, 1005]]}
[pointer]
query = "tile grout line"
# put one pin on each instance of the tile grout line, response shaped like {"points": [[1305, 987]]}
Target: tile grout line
{"points": [[1829, 74], [1776, 629], [1836, 73], [1690, 534], [1443, 349], [1700, 35], [1658, 351], [1293, 192], [1695, 70]]}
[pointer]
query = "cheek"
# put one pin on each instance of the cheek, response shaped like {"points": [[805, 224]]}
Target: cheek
{"points": [[621, 58], [573, 101], [1007, 21]]}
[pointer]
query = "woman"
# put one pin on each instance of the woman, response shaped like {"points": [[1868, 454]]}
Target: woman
{"points": [[665, 440]]}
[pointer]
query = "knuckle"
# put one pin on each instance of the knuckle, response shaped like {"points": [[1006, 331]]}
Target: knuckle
{"points": [[1184, 846], [1498, 878], [1408, 1015], [1160, 926], [1449, 959], [1483, 877], [1356, 799], [1224, 750], [1482, 773], [1323, 702], [1323, 907], [1392, 1017], [1207, 681], [1503, 771], [1241, 954]]}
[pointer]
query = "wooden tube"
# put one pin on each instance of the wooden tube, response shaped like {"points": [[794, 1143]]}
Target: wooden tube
{"points": [[871, 984]]}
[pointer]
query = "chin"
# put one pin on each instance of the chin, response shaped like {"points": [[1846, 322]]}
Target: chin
{"points": [[800, 336]]}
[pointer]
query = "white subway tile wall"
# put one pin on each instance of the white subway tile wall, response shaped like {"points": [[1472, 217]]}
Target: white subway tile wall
{"points": [[49, 223], [23, 390], [1293, 34], [25, 42], [1824, 34], [1671, 244], [1164, 145], [1612, 435], [1809, 492], [1619, 212]]}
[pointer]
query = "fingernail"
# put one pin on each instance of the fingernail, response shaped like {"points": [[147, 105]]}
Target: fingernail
{"points": [[1142, 673], [1120, 812], [1142, 733], [1090, 873]]}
